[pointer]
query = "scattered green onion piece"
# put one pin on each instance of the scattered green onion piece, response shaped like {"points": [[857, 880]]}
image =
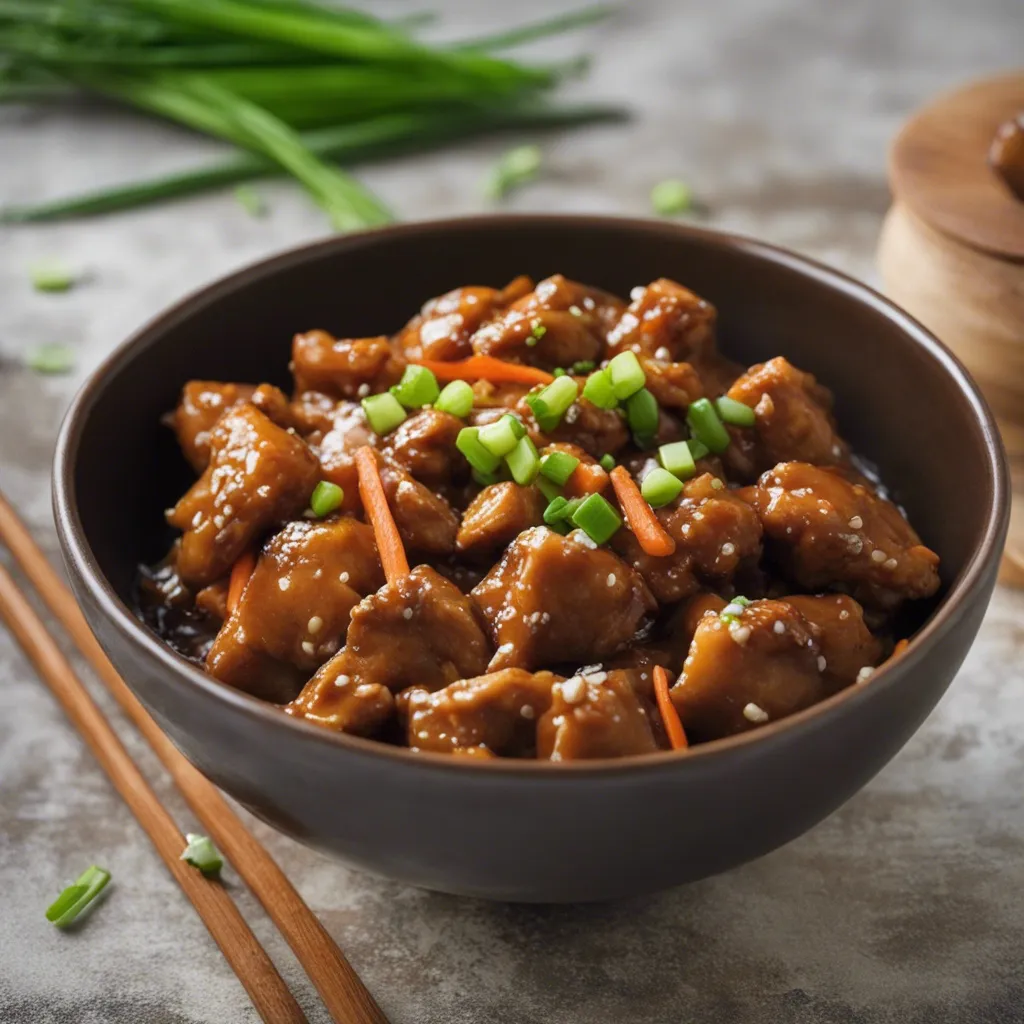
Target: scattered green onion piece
{"points": [[559, 466], [50, 276], [669, 198], [660, 487], [627, 375], [606, 462], [582, 366], [326, 498], [537, 331], [555, 512], [456, 398], [251, 201], [642, 414], [523, 462], [599, 390], [486, 479], [514, 168], [706, 425], [597, 519], [552, 403], [75, 898], [698, 449], [501, 436], [677, 459], [548, 488], [383, 412], [418, 387], [202, 854], [50, 359], [468, 442], [736, 413], [743, 602], [558, 372]]}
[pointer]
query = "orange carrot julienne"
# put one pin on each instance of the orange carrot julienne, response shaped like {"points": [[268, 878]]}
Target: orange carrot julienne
{"points": [[642, 521], [669, 715], [240, 573], [899, 648], [375, 503], [587, 478], [497, 371]]}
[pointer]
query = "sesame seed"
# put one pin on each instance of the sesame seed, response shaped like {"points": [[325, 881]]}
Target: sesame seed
{"points": [[865, 674], [637, 293], [878, 556], [822, 663], [732, 609], [423, 734], [315, 624], [612, 579], [890, 564], [576, 311], [363, 390], [526, 711], [728, 548], [740, 634], [197, 520], [308, 648], [754, 713], [573, 690], [284, 583], [407, 614], [596, 677], [779, 627], [844, 615], [856, 522], [343, 577], [663, 354], [716, 484]]}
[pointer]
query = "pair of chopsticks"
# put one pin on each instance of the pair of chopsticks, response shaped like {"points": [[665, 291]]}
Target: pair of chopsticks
{"points": [[344, 995]]}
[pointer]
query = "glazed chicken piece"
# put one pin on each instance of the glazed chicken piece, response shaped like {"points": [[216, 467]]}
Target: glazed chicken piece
{"points": [[258, 476], [496, 516], [424, 444], [336, 447], [674, 385], [559, 323], [497, 712], [759, 666], [793, 423], [444, 326], [554, 599], [344, 367], [597, 431], [829, 532], [715, 532], [667, 322], [417, 631], [426, 522], [294, 611], [313, 413]]}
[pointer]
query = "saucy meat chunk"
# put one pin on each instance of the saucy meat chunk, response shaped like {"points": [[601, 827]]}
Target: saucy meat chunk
{"points": [[426, 522], [336, 447], [424, 444], [344, 367], [553, 599], [293, 613], [830, 532], [597, 431], [674, 385], [666, 321], [496, 516], [258, 476]]}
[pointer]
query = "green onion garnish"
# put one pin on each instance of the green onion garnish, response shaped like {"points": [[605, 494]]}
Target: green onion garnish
{"points": [[698, 449], [75, 898], [50, 359], [597, 519], [555, 512], [537, 331], [456, 398], [558, 466], [736, 413], [558, 371], [677, 459], [501, 436], [660, 487], [547, 487], [523, 462], [250, 200], [202, 854], [418, 387], [486, 479], [599, 390], [383, 412], [642, 414], [706, 426], [627, 375], [551, 404], [669, 198], [50, 276], [326, 498], [607, 462], [582, 366], [514, 168], [468, 442]]}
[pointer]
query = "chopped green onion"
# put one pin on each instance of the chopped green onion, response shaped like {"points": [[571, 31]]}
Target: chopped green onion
{"points": [[486, 479], [736, 413], [537, 331], [456, 398], [627, 375], [597, 519], [582, 366], [251, 201], [501, 436], [555, 512], [552, 403], [51, 359], [698, 449], [202, 854], [660, 487], [383, 412], [418, 387], [514, 168], [599, 390], [677, 459], [672, 197], [50, 276], [548, 488], [607, 462], [75, 898], [559, 466], [706, 426], [743, 602], [523, 462], [326, 498], [558, 372], [468, 442], [642, 414]]}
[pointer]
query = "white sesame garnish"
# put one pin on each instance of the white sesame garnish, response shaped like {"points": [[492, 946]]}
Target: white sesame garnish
{"points": [[527, 711], [878, 556], [865, 674], [363, 390], [740, 634], [505, 649], [853, 542], [637, 292], [732, 609], [844, 615], [573, 690], [342, 680], [612, 579], [315, 624], [856, 522], [576, 311], [252, 460], [308, 648], [663, 354], [596, 677], [284, 583], [343, 577], [716, 484], [890, 563], [728, 548], [822, 663], [754, 713], [779, 627], [197, 520], [406, 614]]}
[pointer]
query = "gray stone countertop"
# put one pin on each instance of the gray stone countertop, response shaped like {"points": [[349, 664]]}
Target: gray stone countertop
{"points": [[905, 906]]}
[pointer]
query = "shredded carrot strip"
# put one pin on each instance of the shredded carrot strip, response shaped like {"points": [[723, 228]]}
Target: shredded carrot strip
{"points": [[240, 573], [371, 490], [669, 715], [900, 648], [641, 518], [497, 371], [587, 478]]}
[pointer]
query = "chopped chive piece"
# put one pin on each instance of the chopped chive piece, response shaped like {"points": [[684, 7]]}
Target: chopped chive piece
{"points": [[599, 390], [627, 375], [660, 487], [548, 488], [523, 462], [250, 200], [743, 602], [642, 414], [597, 519], [51, 276], [75, 898], [326, 498], [677, 459], [50, 359], [736, 413], [383, 412], [706, 425], [456, 398], [558, 372], [698, 449], [501, 436], [555, 512], [583, 366], [551, 404], [671, 197], [537, 331], [607, 462], [468, 442], [418, 387], [486, 479], [559, 466], [202, 854], [514, 168]]}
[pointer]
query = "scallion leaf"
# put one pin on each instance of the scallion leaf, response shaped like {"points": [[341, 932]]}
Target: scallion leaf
{"points": [[50, 359], [202, 854], [456, 398], [51, 276], [671, 198], [251, 201], [69, 905], [383, 412], [597, 519], [514, 168], [326, 498]]}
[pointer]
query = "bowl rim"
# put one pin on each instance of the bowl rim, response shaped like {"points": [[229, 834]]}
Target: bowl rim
{"points": [[958, 599]]}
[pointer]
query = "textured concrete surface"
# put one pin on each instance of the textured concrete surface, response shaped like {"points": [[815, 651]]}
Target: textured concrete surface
{"points": [[903, 907]]}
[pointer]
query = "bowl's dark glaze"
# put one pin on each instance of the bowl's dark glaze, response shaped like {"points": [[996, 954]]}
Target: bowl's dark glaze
{"points": [[530, 830]]}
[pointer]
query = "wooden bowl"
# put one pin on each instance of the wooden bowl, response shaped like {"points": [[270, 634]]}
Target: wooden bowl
{"points": [[529, 830]]}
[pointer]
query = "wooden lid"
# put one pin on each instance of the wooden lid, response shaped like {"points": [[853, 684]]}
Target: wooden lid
{"points": [[938, 166]]}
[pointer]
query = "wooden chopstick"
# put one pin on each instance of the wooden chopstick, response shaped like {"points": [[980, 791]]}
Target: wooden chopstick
{"points": [[343, 993], [256, 971]]}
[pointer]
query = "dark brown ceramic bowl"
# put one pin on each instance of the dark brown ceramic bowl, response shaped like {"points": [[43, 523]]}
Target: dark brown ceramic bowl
{"points": [[518, 830]]}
